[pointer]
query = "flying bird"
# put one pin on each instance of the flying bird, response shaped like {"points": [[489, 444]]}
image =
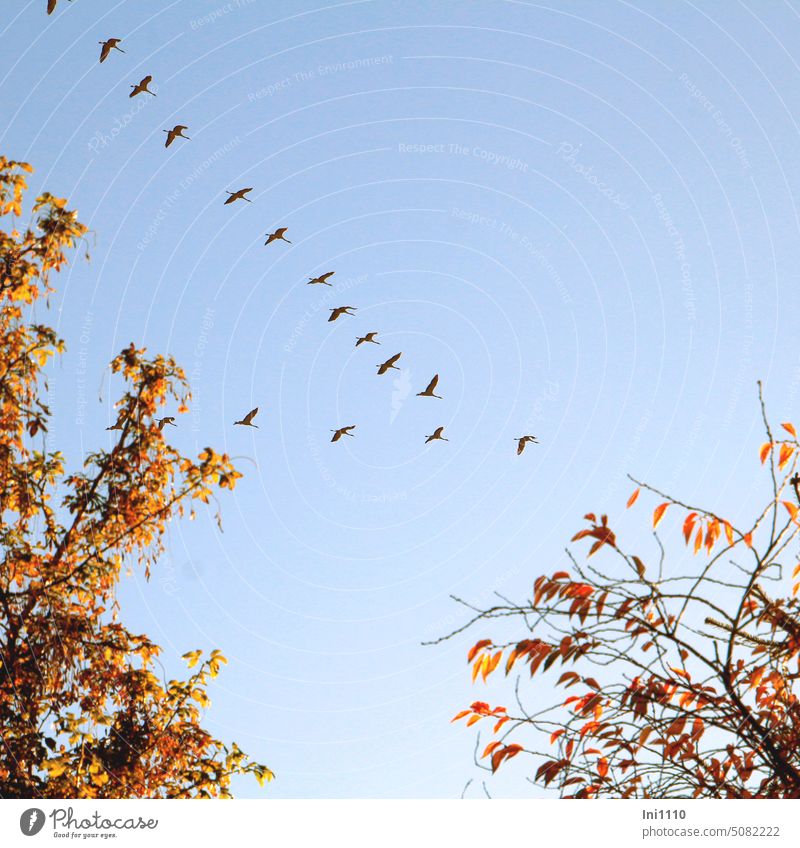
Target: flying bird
{"points": [[370, 337], [141, 87], [431, 386], [51, 6], [247, 421], [176, 132], [390, 363], [437, 434], [522, 441], [166, 420], [341, 310], [321, 280], [278, 234], [108, 46], [342, 431], [238, 195]]}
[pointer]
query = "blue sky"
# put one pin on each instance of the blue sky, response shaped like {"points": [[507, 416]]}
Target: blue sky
{"points": [[580, 215]]}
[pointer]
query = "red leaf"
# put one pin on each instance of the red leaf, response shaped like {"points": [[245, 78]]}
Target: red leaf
{"points": [[602, 766]]}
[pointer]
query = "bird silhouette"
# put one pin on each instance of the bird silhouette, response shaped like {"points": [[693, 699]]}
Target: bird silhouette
{"points": [[278, 234], [109, 45], [342, 431], [238, 195], [437, 434], [431, 386], [176, 132], [247, 421], [370, 337], [322, 279], [141, 87], [51, 6], [390, 363], [166, 420], [341, 310], [522, 441]]}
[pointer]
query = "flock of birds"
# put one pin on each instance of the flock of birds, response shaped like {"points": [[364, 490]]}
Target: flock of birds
{"points": [[142, 87]]}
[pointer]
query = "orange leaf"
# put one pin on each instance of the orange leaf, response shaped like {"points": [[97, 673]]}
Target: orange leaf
{"points": [[729, 533], [477, 647], [789, 427], [764, 452], [688, 526], [560, 575], [658, 514], [602, 766], [555, 734], [490, 747], [632, 499], [748, 539], [785, 455], [791, 509]]}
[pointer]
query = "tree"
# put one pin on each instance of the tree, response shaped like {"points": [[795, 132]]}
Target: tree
{"points": [[83, 713], [682, 683]]}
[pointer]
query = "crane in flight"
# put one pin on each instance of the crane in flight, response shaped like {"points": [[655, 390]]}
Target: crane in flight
{"points": [[168, 419], [322, 279], [431, 386], [341, 310], [247, 421], [342, 431], [370, 337], [523, 440], [176, 132], [109, 45], [390, 363], [238, 195], [141, 87], [437, 434], [278, 234]]}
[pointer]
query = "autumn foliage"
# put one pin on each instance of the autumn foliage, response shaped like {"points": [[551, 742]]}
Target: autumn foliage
{"points": [[83, 711], [677, 685]]}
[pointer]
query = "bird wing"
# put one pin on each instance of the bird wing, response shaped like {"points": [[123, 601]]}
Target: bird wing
{"points": [[336, 436], [180, 128], [335, 313], [520, 446], [393, 359], [324, 277], [170, 138], [250, 415], [104, 51], [432, 384], [146, 81], [280, 231], [438, 432], [51, 5]]}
